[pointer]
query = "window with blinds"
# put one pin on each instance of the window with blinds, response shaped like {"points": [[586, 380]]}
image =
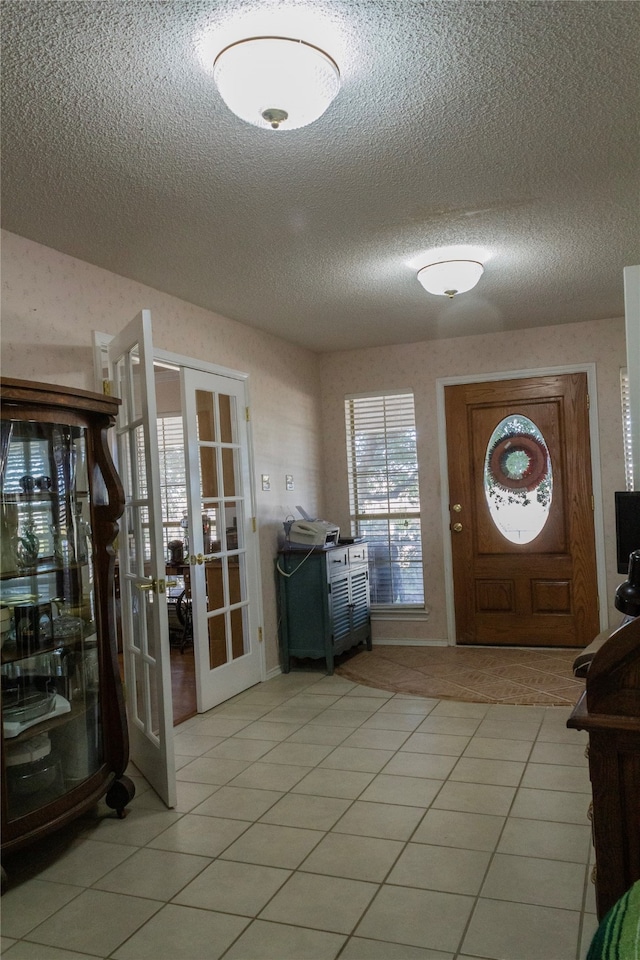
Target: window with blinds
{"points": [[384, 494], [31, 457], [626, 428], [173, 480]]}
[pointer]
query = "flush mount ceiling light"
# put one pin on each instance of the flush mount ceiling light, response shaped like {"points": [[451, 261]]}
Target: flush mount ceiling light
{"points": [[450, 277], [275, 82]]}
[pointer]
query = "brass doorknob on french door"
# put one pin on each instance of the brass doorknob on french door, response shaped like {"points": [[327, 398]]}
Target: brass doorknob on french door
{"points": [[457, 507], [457, 527]]}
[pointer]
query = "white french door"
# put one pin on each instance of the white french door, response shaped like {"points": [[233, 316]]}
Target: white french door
{"points": [[141, 562], [223, 553]]}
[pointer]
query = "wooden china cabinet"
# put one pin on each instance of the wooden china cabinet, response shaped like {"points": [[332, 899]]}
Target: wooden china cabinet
{"points": [[609, 710], [64, 733]]}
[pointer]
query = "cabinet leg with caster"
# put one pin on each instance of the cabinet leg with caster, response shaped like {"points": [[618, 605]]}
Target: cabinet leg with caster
{"points": [[120, 793]]}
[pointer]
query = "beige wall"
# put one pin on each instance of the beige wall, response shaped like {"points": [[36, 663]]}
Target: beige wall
{"points": [[417, 367], [51, 303]]}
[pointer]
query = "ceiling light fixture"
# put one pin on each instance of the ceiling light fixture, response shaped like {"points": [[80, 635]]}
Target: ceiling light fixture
{"points": [[275, 82], [450, 277]]}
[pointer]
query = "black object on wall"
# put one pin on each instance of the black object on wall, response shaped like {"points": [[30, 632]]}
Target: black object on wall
{"points": [[627, 526]]}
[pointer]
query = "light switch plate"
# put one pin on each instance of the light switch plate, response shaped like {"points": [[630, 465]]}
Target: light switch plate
{"points": [[289, 481], [266, 481]]}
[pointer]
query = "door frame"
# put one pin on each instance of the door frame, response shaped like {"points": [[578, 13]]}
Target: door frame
{"points": [[598, 514], [101, 341]]}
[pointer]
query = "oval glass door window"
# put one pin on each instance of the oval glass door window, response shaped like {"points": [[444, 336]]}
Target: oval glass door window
{"points": [[518, 479]]}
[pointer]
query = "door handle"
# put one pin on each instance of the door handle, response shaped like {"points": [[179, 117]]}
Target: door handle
{"points": [[457, 527], [204, 558], [457, 507], [147, 586]]}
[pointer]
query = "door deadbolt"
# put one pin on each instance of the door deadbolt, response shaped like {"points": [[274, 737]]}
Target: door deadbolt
{"points": [[457, 527]]}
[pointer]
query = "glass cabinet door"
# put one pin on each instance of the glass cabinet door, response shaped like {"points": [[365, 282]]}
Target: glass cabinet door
{"points": [[52, 730]]}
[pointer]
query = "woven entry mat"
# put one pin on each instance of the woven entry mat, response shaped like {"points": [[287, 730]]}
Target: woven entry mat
{"points": [[540, 677]]}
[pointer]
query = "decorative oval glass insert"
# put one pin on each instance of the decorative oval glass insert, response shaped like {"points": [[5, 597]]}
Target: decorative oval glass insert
{"points": [[518, 479]]}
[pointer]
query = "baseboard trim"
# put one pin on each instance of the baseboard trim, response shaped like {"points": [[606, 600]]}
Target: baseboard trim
{"points": [[274, 672], [382, 642]]}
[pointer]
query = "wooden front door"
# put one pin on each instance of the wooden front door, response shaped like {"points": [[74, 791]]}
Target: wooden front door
{"points": [[519, 449]]}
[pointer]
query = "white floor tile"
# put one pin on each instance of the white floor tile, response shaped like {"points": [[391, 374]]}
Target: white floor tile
{"points": [[270, 776], [334, 783], [548, 883], [357, 858], [496, 748], [155, 874], [359, 759], [386, 820], [452, 828], [449, 745], [551, 776], [182, 933], [238, 803], [475, 798], [420, 918], [411, 791], [273, 845], [231, 887], [547, 839], [453, 726], [212, 770], [440, 868], [430, 765], [507, 773], [358, 948], [202, 836], [95, 922], [298, 810], [551, 805], [27, 905], [277, 941], [323, 903], [515, 931]]}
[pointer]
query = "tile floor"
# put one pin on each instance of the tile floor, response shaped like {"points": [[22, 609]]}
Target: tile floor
{"points": [[319, 819]]}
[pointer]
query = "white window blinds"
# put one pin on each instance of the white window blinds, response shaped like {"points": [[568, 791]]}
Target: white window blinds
{"points": [[626, 428], [384, 493], [173, 482]]}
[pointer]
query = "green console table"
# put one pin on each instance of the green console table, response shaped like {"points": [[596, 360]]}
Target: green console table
{"points": [[323, 601]]}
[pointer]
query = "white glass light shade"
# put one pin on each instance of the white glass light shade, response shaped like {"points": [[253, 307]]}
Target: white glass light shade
{"points": [[450, 277], [276, 83]]}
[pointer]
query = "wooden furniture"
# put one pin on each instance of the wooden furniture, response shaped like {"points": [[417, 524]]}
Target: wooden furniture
{"points": [[64, 733], [609, 710], [323, 602]]}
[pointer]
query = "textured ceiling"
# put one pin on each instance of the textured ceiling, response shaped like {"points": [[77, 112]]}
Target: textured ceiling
{"points": [[510, 128]]}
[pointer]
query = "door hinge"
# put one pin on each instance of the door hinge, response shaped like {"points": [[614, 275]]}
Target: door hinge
{"points": [[588, 402], [260, 637], [107, 388], [247, 413], [254, 524], [593, 504], [598, 604]]}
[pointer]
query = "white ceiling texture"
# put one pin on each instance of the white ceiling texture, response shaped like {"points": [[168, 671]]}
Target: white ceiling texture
{"points": [[507, 131]]}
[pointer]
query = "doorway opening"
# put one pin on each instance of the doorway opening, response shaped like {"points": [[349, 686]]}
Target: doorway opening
{"points": [[173, 495]]}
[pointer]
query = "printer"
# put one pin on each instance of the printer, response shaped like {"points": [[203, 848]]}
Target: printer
{"points": [[313, 533]]}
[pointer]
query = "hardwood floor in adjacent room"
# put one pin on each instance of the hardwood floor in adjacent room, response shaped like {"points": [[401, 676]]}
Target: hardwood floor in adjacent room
{"points": [[183, 684]]}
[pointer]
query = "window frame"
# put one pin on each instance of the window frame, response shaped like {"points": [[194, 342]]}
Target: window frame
{"points": [[408, 511], [625, 403]]}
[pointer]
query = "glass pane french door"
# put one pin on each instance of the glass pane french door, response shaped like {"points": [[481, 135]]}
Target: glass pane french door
{"points": [[223, 543], [141, 561]]}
